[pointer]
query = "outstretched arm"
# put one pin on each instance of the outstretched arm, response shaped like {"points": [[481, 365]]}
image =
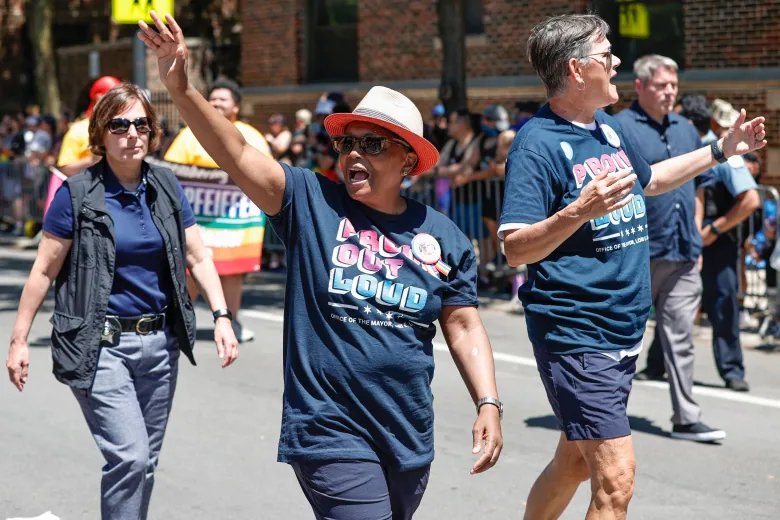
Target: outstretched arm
{"points": [[260, 177], [742, 138]]}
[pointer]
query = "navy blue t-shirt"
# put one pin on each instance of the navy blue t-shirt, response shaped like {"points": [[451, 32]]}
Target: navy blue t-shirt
{"points": [[592, 293], [142, 281], [674, 234], [359, 323]]}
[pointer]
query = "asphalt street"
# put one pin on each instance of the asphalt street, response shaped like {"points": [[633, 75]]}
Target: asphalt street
{"points": [[219, 457]]}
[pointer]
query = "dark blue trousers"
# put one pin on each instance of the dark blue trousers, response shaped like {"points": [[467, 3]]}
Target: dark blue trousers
{"points": [[361, 490], [719, 276]]}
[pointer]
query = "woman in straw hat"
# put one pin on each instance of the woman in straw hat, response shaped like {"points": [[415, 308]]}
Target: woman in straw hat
{"points": [[574, 212], [369, 272]]}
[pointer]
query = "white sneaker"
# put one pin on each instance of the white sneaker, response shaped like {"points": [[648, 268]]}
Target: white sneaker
{"points": [[243, 335]]}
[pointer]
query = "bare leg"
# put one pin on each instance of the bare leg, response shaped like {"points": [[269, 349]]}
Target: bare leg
{"points": [[492, 237], [555, 487], [232, 284], [612, 468]]}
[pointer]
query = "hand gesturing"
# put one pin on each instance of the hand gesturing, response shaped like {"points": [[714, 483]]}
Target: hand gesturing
{"points": [[744, 137], [606, 193], [167, 42]]}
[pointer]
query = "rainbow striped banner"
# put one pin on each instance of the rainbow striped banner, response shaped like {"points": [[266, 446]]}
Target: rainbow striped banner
{"points": [[231, 225]]}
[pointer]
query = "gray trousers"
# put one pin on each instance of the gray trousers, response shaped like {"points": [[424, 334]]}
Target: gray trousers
{"points": [[127, 412], [676, 292]]}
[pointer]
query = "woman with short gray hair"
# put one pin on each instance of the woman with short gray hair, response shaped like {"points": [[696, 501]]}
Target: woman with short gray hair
{"points": [[574, 212]]}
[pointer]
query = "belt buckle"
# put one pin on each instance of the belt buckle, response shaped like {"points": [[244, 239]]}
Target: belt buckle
{"points": [[141, 320], [111, 329]]}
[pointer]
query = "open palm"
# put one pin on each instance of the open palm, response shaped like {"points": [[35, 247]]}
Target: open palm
{"points": [[167, 42]]}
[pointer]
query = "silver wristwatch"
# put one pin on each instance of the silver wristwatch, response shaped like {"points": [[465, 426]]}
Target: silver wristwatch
{"points": [[494, 401]]}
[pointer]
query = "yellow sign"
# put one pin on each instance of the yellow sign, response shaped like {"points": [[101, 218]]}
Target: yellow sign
{"points": [[634, 21], [130, 11]]}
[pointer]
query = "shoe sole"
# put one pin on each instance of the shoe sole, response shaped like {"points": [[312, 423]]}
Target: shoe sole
{"points": [[700, 437]]}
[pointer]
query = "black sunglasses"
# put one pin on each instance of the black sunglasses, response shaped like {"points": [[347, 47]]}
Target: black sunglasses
{"points": [[120, 125], [368, 144]]}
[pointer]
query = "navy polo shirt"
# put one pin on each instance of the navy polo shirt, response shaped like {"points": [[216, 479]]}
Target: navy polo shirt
{"points": [[672, 228], [142, 281]]}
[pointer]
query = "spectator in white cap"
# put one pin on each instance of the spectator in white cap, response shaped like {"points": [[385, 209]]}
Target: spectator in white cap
{"points": [[724, 115], [302, 120], [369, 272]]}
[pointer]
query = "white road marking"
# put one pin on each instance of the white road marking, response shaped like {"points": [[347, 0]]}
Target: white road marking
{"points": [[718, 393]]}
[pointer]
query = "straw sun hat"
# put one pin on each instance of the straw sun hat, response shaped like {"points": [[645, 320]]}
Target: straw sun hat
{"points": [[395, 112]]}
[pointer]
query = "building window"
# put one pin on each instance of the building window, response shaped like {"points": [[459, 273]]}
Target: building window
{"points": [[332, 40], [473, 14], [643, 27]]}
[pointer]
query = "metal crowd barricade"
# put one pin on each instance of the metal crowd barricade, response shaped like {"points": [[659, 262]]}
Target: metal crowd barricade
{"points": [[22, 195], [756, 277]]}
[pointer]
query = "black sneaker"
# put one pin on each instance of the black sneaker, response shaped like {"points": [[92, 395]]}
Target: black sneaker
{"points": [[698, 432], [738, 385], [648, 375]]}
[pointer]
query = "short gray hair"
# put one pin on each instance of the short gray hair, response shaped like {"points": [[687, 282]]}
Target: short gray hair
{"points": [[557, 40], [645, 67]]}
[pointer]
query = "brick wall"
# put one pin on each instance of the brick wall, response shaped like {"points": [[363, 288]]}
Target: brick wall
{"points": [[396, 40], [270, 41], [732, 33], [507, 24]]}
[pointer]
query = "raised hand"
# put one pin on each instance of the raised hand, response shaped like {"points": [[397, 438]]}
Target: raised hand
{"points": [[744, 137], [167, 42]]}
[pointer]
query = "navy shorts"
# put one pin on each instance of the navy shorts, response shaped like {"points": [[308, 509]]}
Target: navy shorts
{"points": [[361, 490], [588, 392]]}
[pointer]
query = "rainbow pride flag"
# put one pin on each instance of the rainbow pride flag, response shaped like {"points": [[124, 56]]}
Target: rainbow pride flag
{"points": [[231, 225]]}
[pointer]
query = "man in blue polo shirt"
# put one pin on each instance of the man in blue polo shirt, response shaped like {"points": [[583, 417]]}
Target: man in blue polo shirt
{"points": [[675, 241]]}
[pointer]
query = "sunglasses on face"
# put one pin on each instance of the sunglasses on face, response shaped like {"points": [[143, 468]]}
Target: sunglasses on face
{"points": [[368, 144], [120, 125], [607, 55]]}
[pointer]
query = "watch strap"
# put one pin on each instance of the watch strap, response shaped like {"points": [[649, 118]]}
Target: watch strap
{"points": [[224, 312], [714, 229], [491, 400], [717, 152]]}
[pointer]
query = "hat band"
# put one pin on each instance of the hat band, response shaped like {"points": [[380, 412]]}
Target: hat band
{"points": [[379, 115]]}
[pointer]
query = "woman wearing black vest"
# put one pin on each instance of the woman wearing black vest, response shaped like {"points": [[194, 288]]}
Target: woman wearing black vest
{"points": [[116, 241]]}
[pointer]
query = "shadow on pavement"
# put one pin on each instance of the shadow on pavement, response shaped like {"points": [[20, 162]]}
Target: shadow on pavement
{"points": [[768, 348], [638, 424]]}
